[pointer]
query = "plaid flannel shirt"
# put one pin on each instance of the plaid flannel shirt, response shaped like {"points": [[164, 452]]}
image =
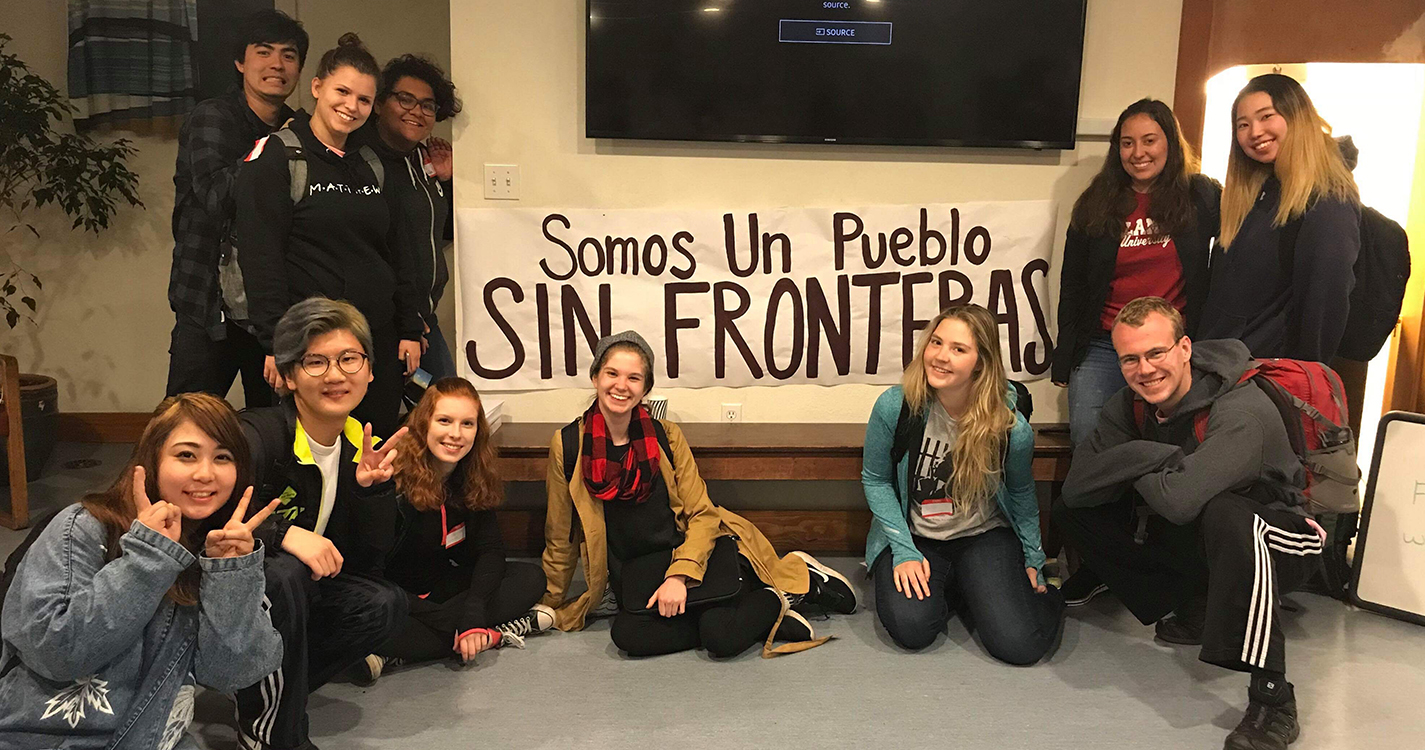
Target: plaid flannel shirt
{"points": [[215, 137]]}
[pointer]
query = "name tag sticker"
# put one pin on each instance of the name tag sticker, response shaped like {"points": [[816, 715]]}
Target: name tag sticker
{"points": [[455, 536]]}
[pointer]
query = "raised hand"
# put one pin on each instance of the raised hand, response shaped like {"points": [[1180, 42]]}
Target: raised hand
{"points": [[375, 466], [163, 517], [234, 539], [442, 159]]}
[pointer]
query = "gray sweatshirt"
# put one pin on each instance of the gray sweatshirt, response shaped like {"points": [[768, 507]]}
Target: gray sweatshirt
{"points": [[1245, 449]]}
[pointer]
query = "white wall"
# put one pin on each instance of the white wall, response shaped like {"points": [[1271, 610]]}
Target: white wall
{"points": [[103, 325], [520, 66]]}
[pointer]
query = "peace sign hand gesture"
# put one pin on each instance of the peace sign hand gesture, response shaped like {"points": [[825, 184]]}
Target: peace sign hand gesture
{"points": [[163, 517], [376, 466], [234, 539]]}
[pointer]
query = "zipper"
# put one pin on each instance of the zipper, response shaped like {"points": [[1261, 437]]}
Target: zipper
{"points": [[425, 188]]}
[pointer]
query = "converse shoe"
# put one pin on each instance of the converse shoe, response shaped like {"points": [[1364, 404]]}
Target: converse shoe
{"points": [[369, 670], [794, 627], [1265, 726], [829, 589], [1082, 587], [608, 606], [537, 620]]}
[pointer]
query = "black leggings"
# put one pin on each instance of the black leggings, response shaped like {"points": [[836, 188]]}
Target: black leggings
{"points": [[725, 629], [429, 632]]}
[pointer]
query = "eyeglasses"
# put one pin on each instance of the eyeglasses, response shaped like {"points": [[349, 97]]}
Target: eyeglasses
{"points": [[1154, 357], [349, 362], [409, 103]]}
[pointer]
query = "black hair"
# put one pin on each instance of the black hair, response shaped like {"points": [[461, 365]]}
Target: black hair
{"points": [[1109, 199], [447, 104], [270, 27], [348, 52]]}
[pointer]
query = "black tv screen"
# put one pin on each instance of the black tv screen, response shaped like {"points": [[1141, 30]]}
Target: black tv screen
{"points": [[920, 72]]}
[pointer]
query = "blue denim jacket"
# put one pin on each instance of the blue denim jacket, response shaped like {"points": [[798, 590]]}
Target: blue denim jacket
{"points": [[95, 655]]}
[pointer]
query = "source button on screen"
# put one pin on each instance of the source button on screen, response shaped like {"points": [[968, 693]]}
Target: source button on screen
{"points": [[834, 32]]}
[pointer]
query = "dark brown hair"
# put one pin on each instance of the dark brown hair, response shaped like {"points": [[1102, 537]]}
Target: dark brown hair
{"points": [[114, 508], [447, 104], [416, 474], [349, 51], [1109, 199]]}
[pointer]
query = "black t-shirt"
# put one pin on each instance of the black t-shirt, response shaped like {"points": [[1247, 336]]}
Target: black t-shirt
{"points": [[637, 529]]}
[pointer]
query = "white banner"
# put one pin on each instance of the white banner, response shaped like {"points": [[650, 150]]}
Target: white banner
{"points": [[792, 295]]}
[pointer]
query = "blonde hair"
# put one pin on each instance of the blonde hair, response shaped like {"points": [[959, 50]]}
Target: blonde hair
{"points": [[977, 455], [1308, 163], [1135, 314]]}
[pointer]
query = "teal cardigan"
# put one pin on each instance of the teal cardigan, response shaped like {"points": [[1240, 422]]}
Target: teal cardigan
{"points": [[889, 525]]}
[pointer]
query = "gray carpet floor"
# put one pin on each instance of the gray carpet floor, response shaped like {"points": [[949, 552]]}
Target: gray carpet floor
{"points": [[1360, 680]]}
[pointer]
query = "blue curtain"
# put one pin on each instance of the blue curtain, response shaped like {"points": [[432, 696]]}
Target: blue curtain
{"points": [[132, 59]]}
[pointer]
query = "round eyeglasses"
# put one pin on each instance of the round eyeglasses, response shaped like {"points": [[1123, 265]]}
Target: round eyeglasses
{"points": [[349, 362]]}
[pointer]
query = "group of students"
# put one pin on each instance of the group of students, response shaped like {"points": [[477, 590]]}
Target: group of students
{"points": [[266, 552]]}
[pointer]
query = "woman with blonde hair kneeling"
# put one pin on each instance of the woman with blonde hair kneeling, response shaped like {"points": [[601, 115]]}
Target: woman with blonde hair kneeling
{"points": [[947, 473]]}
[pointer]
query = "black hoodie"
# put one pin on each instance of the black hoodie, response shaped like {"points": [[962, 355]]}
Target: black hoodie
{"points": [[420, 208], [333, 242], [1245, 449]]}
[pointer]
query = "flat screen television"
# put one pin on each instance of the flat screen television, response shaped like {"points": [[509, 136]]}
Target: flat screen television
{"points": [[997, 73]]}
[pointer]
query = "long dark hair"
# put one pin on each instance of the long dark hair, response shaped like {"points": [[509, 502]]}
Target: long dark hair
{"points": [[1109, 198], [115, 509], [416, 475]]}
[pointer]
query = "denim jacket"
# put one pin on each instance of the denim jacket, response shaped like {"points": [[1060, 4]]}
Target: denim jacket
{"points": [[95, 655]]}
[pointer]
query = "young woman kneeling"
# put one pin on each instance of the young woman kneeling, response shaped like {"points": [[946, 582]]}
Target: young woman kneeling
{"points": [[684, 572], [464, 596], [947, 473]]}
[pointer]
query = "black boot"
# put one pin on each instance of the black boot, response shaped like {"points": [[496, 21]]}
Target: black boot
{"points": [[1271, 720]]}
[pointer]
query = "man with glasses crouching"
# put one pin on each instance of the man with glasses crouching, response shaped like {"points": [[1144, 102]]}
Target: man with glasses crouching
{"points": [[335, 524]]}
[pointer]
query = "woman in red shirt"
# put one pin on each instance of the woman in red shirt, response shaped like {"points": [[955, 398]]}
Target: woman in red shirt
{"points": [[1143, 228]]}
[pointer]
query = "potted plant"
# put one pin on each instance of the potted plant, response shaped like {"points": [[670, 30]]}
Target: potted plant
{"points": [[40, 165]]}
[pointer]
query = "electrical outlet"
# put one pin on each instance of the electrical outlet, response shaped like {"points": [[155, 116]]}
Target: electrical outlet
{"points": [[502, 182], [732, 412]]}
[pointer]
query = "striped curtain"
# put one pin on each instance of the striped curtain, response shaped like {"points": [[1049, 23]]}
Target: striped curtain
{"points": [[132, 59]]}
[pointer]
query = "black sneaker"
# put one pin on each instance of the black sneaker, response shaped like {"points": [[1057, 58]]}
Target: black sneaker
{"points": [[1265, 727], [829, 589], [1082, 587], [794, 627], [1184, 626], [537, 620]]}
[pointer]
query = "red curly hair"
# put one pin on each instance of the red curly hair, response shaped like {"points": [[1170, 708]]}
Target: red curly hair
{"points": [[417, 475]]}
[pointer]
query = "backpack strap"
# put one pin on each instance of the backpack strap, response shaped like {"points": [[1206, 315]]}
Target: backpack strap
{"points": [[377, 168], [296, 162]]}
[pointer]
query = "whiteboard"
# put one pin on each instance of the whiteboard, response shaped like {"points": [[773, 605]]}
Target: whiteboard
{"points": [[1390, 554]]}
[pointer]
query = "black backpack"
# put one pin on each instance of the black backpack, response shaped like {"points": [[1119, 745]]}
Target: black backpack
{"points": [[1381, 270]]}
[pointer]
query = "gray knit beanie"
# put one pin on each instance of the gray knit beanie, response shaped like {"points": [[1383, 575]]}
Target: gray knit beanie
{"points": [[632, 338]]}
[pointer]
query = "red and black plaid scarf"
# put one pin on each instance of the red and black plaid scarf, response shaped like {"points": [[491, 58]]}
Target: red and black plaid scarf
{"points": [[630, 479]]}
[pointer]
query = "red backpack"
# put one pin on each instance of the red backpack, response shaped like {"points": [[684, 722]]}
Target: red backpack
{"points": [[1312, 403]]}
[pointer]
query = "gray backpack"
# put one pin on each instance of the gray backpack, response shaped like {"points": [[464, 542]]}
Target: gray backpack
{"points": [[229, 273]]}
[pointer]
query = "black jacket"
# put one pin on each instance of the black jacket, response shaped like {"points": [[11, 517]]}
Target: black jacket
{"points": [[1297, 314], [362, 523], [333, 242], [1245, 449], [421, 210], [420, 561], [1088, 267]]}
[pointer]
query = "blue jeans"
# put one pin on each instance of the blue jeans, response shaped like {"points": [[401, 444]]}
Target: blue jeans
{"points": [[437, 360], [984, 573], [1091, 384]]}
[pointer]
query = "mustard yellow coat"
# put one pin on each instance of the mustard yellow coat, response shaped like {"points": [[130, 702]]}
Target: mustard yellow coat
{"points": [[700, 522]]}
